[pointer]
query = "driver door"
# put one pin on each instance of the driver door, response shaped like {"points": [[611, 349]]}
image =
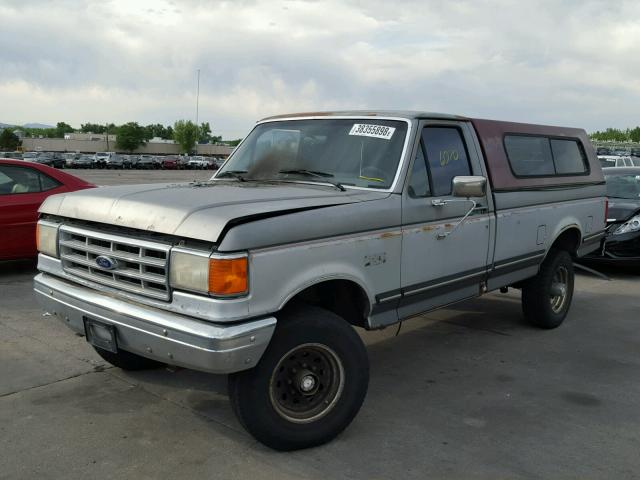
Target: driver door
{"points": [[441, 265]]}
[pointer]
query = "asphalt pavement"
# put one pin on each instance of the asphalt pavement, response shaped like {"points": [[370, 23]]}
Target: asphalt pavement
{"points": [[465, 392]]}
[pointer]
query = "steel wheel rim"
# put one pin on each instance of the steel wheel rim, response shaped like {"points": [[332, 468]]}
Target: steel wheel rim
{"points": [[306, 383], [559, 289]]}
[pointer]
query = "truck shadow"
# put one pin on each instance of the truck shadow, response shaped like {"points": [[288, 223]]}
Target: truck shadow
{"points": [[18, 267], [435, 344], [467, 377], [13, 271]]}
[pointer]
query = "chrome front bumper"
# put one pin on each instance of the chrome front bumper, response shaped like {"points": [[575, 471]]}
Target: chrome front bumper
{"points": [[157, 334]]}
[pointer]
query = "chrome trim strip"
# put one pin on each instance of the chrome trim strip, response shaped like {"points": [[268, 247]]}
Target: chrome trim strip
{"points": [[593, 237], [443, 284], [119, 255], [390, 298], [123, 239], [78, 273], [521, 260]]}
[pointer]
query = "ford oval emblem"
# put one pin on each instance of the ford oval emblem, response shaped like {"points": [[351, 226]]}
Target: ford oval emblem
{"points": [[106, 263]]}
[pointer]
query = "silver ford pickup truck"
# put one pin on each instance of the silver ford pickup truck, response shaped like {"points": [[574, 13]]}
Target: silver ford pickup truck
{"points": [[316, 224]]}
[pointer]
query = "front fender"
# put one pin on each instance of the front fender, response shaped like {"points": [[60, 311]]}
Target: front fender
{"points": [[278, 274]]}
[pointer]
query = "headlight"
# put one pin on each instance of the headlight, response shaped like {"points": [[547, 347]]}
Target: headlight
{"points": [[47, 238], [216, 274], [631, 225]]}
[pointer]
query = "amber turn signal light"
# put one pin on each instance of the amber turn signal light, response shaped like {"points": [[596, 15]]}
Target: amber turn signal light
{"points": [[228, 276], [38, 237]]}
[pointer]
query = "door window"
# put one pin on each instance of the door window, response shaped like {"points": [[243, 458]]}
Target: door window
{"points": [[15, 179], [446, 157], [47, 183], [419, 180]]}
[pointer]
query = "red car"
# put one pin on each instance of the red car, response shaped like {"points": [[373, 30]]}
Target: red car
{"points": [[23, 187], [170, 163]]}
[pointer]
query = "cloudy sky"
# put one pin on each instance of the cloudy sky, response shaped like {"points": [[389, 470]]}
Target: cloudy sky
{"points": [[550, 61]]}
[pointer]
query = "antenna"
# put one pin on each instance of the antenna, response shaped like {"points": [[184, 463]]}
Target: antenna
{"points": [[197, 105]]}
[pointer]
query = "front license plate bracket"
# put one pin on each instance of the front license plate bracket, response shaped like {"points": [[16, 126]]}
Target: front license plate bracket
{"points": [[101, 335]]}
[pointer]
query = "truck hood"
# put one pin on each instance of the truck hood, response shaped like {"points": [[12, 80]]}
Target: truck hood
{"points": [[198, 210]]}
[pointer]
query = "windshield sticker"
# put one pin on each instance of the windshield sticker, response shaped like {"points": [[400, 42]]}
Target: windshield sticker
{"points": [[375, 131]]}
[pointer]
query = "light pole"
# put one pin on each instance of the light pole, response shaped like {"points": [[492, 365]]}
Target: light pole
{"points": [[197, 105]]}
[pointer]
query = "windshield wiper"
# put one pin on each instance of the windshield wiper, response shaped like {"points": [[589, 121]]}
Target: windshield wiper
{"points": [[233, 174], [316, 174], [309, 173]]}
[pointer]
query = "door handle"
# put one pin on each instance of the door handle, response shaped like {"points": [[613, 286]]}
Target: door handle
{"points": [[438, 202]]}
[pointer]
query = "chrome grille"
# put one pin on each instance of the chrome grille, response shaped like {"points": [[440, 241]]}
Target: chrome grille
{"points": [[142, 266]]}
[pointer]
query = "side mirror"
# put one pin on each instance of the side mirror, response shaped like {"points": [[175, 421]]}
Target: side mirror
{"points": [[469, 186]]}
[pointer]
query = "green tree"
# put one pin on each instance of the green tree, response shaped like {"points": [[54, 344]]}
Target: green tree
{"points": [[634, 134], [9, 140], [62, 128], [184, 133], [158, 130], [92, 128], [40, 132], [233, 143], [130, 136], [204, 133], [612, 134]]}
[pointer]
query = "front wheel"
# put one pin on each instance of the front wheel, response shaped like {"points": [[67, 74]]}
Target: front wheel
{"points": [[546, 298], [309, 384]]}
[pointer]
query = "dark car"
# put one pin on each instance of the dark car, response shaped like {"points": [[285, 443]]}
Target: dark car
{"points": [[23, 187], [83, 161], [622, 242], [45, 158], [145, 162], [52, 159], [59, 160]]}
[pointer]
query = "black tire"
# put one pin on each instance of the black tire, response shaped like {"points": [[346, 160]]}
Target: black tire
{"points": [[340, 367], [127, 360], [539, 304]]}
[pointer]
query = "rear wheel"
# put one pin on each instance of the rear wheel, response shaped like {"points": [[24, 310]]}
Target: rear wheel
{"points": [[546, 298], [309, 384], [127, 360]]}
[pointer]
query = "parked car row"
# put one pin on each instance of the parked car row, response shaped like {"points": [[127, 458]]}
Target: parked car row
{"points": [[619, 161], [113, 160], [618, 152]]}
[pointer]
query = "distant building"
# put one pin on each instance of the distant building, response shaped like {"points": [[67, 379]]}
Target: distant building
{"points": [[93, 137], [160, 140]]}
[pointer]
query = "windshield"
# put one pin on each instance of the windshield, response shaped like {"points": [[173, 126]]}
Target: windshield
{"points": [[358, 152], [623, 186]]}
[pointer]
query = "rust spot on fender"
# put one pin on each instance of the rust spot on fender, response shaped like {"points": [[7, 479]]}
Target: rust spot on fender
{"points": [[389, 235]]}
